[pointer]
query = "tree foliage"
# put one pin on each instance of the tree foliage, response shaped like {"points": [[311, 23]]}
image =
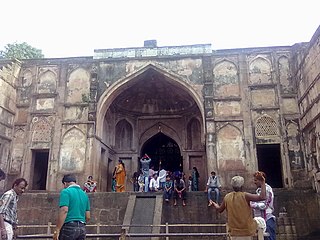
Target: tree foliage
{"points": [[20, 51]]}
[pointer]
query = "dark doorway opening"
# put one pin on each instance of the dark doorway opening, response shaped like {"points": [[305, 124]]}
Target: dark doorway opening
{"points": [[269, 161], [40, 169], [164, 153]]}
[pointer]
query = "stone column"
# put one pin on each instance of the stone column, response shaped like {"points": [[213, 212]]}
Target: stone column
{"points": [[209, 114]]}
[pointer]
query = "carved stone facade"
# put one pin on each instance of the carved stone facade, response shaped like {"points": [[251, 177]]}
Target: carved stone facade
{"points": [[231, 111]]}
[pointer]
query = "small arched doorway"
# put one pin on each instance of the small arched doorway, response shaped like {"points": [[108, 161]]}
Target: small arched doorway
{"points": [[164, 153]]}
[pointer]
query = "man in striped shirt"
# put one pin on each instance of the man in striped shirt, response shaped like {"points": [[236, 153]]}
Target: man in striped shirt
{"points": [[8, 209]]}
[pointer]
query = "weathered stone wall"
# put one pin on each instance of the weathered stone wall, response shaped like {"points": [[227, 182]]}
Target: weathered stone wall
{"points": [[307, 76], [9, 72], [88, 112]]}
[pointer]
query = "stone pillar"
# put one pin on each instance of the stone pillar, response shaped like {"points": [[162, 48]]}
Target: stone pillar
{"points": [[246, 113], [209, 115]]}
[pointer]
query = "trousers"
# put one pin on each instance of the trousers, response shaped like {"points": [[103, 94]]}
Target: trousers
{"points": [[73, 231]]}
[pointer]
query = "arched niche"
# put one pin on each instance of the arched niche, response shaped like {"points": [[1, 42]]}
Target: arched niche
{"points": [[294, 147], [160, 127], [78, 86], [26, 80], [284, 74], [72, 151], [194, 134], [47, 82], [260, 71], [230, 148], [123, 135], [226, 80]]}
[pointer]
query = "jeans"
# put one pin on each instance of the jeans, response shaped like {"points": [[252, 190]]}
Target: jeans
{"points": [[217, 192], [146, 184], [167, 194], [73, 231], [135, 187], [162, 185], [271, 228]]}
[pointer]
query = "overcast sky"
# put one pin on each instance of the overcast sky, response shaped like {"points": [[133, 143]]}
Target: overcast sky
{"points": [[70, 28]]}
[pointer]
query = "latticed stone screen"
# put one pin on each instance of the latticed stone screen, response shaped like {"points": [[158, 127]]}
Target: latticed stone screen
{"points": [[266, 126]]}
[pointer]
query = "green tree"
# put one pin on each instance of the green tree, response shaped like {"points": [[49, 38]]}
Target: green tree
{"points": [[20, 51]]}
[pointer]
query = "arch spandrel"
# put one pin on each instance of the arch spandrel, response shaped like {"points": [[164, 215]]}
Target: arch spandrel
{"points": [[111, 93]]}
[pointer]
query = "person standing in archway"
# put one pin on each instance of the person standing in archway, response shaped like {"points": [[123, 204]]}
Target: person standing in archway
{"points": [[120, 176], [195, 179], [145, 162]]}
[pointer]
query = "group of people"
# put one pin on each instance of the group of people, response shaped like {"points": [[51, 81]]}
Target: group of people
{"points": [[243, 209], [247, 211]]}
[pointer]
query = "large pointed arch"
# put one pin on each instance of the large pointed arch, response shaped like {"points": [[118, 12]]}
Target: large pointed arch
{"points": [[115, 90]]}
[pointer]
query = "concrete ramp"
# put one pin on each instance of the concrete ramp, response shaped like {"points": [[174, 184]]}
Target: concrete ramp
{"points": [[143, 209]]}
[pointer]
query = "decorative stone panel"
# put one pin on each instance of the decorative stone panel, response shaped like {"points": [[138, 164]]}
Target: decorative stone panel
{"points": [[76, 113], [266, 127], [26, 80], [294, 148], [44, 104], [227, 108], [73, 151], [124, 135], [42, 129], [260, 71], [78, 86], [230, 148], [226, 80], [18, 150], [47, 82], [194, 134], [263, 98], [284, 75]]}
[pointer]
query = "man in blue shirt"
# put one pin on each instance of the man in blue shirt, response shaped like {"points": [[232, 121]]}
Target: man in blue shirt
{"points": [[74, 211]]}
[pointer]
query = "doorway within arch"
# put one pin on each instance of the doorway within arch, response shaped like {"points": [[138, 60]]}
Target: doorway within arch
{"points": [[164, 153]]}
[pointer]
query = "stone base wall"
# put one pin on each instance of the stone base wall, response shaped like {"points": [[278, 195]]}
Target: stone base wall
{"points": [[301, 217]]}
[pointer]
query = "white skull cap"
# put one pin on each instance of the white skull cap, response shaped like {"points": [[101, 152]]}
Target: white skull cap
{"points": [[237, 181]]}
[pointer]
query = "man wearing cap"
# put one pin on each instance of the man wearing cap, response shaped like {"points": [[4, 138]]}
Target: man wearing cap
{"points": [[74, 211], [241, 224]]}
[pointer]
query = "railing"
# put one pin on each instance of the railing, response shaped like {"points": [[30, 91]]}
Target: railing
{"points": [[125, 234]]}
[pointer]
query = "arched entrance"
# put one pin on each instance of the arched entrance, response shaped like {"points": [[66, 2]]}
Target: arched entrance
{"points": [[164, 152], [150, 111]]}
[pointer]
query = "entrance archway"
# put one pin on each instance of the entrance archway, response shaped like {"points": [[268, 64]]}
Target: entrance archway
{"points": [[164, 152], [269, 161]]}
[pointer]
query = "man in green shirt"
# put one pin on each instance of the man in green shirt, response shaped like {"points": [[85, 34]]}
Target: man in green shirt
{"points": [[74, 211]]}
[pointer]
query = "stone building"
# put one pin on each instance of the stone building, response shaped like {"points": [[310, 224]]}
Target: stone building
{"points": [[232, 111]]}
